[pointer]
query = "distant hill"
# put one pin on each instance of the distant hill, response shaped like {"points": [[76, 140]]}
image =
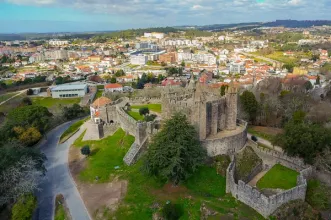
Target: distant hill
{"points": [[297, 24], [277, 23]]}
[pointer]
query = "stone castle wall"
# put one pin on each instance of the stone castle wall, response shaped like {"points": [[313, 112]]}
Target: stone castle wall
{"points": [[228, 144], [272, 157], [263, 204]]}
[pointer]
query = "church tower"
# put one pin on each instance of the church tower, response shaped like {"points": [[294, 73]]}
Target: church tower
{"points": [[231, 107]]}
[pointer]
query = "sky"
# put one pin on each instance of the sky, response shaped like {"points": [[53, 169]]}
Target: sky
{"points": [[17, 16]]}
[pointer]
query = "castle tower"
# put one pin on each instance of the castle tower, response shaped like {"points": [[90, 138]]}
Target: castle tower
{"points": [[231, 107]]}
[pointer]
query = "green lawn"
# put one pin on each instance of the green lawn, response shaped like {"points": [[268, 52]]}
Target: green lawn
{"points": [[106, 155], [6, 96], [152, 107], [72, 129], [136, 115], [99, 94], [49, 102], [100, 86], [278, 177], [143, 192], [60, 212]]}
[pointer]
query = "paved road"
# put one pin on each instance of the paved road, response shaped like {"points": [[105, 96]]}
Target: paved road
{"points": [[58, 179], [266, 142]]}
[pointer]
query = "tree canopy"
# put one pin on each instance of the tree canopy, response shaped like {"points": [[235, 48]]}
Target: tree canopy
{"points": [[304, 139], [175, 152], [249, 104]]}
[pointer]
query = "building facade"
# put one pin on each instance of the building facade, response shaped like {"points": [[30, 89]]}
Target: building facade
{"points": [[69, 91]]}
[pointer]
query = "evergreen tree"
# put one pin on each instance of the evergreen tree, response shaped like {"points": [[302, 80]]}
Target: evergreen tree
{"points": [[250, 105], [175, 152]]}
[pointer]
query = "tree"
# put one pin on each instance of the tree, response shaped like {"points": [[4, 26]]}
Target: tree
{"points": [[28, 137], [113, 80], [29, 116], [303, 139], [29, 92], [85, 150], [73, 112], [318, 80], [223, 89], [289, 67], [20, 171], [144, 111], [26, 101], [24, 207], [119, 73], [175, 152], [250, 105], [182, 63]]}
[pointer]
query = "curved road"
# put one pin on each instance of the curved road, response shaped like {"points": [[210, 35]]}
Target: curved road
{"points": [[58, 179]]}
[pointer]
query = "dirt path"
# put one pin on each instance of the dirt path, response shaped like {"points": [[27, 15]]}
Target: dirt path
{"points": [[257, 178]]}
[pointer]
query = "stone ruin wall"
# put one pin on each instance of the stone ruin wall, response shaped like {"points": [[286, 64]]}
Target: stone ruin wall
{"points": [[263, 204], [226, 145], [274, 157]]}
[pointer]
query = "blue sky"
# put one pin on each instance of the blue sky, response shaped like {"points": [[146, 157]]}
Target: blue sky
{"points": [[99, 15]]}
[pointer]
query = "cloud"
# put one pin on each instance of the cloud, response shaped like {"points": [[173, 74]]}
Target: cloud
{"points": [[175, 12]]}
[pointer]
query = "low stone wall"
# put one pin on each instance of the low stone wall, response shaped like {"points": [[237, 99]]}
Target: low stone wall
{"points": [[295, 163], [145, 100], [265, 205], [226, 145]]}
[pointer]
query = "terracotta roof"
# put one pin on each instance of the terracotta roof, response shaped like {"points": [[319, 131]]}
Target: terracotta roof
{"points": [[102, 101], [113, 86]]}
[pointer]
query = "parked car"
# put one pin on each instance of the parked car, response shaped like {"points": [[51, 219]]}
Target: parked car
{"points": [[254, 138]]}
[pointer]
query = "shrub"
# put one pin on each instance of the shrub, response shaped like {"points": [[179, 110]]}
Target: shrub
{"points": [[149, 117], [29, 92], [24, 208], [143, 111], [172, 211], [85, 150]]}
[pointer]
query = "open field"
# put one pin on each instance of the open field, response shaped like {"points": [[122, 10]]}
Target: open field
{"points": [[145, 195], [49, 102], [278, 177], [136, 115], [152, 107], [6, 96], [13, 103]]}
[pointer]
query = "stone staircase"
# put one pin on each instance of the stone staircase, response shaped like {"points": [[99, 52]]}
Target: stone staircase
{"points": [[132, 155]]}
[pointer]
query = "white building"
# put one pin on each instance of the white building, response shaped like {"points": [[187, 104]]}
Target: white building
{"points": [[69, 90], [154, 35], [58, 42], [113, 87], [56, 55], [138, 59]]}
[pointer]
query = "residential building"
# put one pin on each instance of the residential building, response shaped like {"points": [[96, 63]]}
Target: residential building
{"points": [[154, 35], [58, 42], [56, 55], [168, 57], [69, 90], [138, 59], [94, 108], [113, 87]]}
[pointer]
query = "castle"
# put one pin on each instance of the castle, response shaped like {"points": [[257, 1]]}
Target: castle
{"points": [[220, 132]]}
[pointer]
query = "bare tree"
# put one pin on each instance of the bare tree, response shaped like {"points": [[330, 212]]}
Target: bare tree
{"points": [[19, 179]]}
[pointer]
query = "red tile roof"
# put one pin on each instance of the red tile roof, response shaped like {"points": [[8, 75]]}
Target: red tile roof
{"points": [[113, 86]]}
